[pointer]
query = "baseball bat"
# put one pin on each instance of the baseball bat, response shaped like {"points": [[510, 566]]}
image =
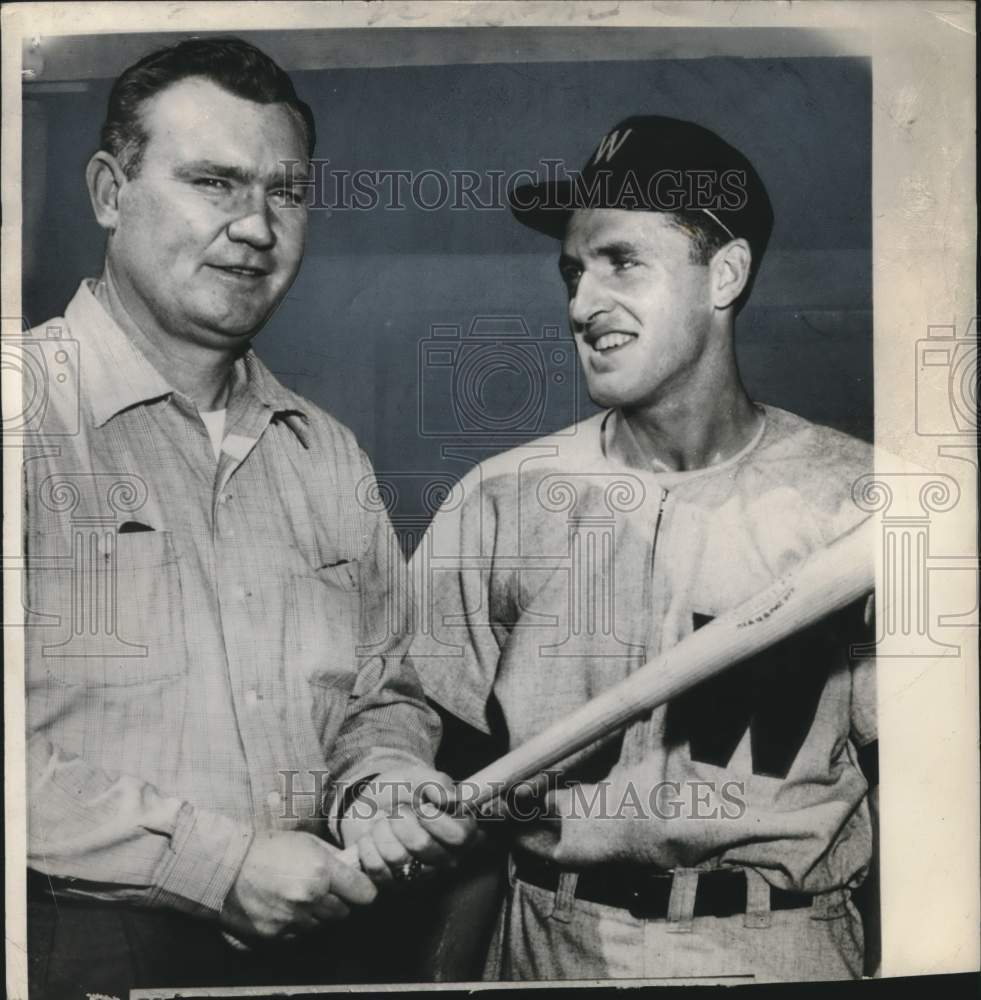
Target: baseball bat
{"points": [[827, 581]]}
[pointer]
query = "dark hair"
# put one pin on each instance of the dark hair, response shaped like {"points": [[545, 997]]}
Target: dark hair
{"points": [[706, 235], [234, 65]]}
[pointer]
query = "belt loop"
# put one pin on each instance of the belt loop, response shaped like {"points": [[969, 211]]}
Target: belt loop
{"points": [[565, 897], [681, 903], [757, 900], [548, 898]]}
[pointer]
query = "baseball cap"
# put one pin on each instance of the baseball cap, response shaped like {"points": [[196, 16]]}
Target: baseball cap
{"points": [[656, 164]]}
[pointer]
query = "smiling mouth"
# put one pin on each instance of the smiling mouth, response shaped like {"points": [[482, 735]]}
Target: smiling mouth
{"points": [[241, 271], [607, 343]]}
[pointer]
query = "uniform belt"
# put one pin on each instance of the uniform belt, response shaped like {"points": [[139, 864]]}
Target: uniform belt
{"points": [[645, 894]]}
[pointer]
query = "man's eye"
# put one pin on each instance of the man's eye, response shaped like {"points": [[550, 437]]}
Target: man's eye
{"points": [[211, 183], [570, 275], [624, 264], [287, 197]]}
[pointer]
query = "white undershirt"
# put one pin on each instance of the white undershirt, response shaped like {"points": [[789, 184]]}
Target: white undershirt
{"points": [[214, 420]]}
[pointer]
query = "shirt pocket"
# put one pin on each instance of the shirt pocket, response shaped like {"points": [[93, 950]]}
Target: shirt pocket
{"points": [[113, 610]]}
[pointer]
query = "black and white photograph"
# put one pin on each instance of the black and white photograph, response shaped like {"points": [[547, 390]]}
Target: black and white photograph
{"points": [[490, 496]]}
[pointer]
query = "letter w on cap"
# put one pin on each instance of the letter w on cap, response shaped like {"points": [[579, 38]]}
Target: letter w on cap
{"points": [[609, 145]]}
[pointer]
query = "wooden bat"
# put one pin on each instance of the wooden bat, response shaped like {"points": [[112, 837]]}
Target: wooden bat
{"points": [[827, 581]]}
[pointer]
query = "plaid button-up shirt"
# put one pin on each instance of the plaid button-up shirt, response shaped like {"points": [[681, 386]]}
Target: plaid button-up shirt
{"points": [[204, 639]]}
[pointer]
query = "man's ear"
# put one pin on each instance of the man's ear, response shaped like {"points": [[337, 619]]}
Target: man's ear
{"points": [[730, 273], [104, 178]]}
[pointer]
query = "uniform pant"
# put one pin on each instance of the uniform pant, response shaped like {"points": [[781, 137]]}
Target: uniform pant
{"points": [[553, 935]]}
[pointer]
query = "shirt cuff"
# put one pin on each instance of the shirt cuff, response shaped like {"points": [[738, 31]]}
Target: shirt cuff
{"points": [[206, 854], [359, 774]]}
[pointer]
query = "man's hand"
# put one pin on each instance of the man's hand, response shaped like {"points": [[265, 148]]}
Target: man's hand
{"points": [[291, 882], [404, 819]]}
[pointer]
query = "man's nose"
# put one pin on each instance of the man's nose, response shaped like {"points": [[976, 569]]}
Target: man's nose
{"points": [[588, 300], [251, 223]]}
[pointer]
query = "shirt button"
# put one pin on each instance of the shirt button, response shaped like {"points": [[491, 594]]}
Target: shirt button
{"points": [[251, 698]]}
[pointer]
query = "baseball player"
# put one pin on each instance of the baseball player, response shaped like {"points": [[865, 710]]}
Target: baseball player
{"points": [[719, 837]]}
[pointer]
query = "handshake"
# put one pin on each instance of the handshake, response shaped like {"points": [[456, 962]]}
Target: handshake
{"points": [[291, 882]]}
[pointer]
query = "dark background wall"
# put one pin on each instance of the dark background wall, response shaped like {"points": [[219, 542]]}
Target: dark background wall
{"points": [[352, 332]]}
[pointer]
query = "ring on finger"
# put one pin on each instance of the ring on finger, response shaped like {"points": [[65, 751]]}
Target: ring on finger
{"points": [[410, 870]]}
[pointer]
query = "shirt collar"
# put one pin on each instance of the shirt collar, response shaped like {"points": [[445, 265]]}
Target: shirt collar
{"points": [[115, 375], [619, 444]]}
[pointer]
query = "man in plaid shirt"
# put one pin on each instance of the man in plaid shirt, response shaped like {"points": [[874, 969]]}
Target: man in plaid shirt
{"points": [[217, 680]]}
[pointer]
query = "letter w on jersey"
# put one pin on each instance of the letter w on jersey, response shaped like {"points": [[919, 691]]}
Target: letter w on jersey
{"points": [[609, 145], [774, 695]]}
